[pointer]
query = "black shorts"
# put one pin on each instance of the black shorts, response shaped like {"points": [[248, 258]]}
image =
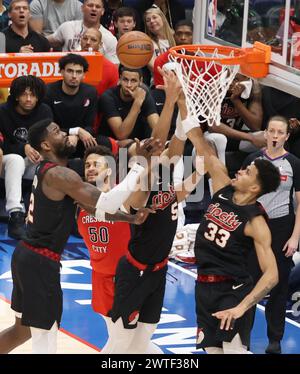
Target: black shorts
{"points": [[138, 295], [213, 297], [36, 290]]}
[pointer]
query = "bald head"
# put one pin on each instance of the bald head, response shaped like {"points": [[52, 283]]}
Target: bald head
{"points": [[91, 40]]}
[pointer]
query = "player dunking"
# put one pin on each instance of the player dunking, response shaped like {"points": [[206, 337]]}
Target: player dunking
{"points": [[37, 295], [232, 222]]}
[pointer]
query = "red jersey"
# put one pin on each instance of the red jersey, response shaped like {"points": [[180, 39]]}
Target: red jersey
{"points": [[106, 241]]}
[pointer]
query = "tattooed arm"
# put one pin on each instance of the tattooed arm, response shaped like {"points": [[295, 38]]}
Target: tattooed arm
{"points": [[259, 231]]}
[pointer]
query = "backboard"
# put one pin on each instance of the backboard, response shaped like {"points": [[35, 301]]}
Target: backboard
{"points": [[242, 22]]}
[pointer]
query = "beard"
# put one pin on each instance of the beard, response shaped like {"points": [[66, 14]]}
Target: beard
{"points": [[66, 151]]}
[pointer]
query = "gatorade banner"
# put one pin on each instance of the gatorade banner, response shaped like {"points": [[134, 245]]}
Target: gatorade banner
{"points": [[45, 66]]}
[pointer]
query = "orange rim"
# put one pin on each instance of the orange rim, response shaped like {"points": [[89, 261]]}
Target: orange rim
{"points": [[236, 59], [254, 62]]}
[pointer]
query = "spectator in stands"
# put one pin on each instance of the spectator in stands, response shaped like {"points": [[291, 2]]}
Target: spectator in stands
{"points": [[124, 21], [23, 109], [48, 15], [157, 27], [73, 102], [68, 35], [242, 115], [4, 18], [128, 109], [172, 9], [19, 37], [183, 35], [91, 40], [110, 6]]}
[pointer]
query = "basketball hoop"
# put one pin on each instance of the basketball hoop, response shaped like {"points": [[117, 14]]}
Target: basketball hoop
{"points": [[207, 71]]}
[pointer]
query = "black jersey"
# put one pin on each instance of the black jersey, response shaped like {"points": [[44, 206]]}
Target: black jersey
{"points": [[49, 221], [221, 246], [70, 111], [151, 241], [231, 118]]}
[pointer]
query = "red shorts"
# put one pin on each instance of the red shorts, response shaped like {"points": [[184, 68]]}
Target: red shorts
{"points": [[103, 289]]}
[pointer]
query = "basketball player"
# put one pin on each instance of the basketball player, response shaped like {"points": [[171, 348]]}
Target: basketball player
{"points": [[141, 273], [107, 241], [37, 295], [233, 221], [283, 223]]}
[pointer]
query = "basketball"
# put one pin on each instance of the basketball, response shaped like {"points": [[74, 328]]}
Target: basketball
{"points": [[134, 49]]}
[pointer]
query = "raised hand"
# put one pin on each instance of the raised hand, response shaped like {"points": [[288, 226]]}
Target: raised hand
{"points": [[149, 147], [171, 86]]}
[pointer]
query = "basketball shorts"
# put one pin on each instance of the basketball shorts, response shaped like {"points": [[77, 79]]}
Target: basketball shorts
{"points": [[36, 290], [138, 294], [103, 289], [213, 297]]}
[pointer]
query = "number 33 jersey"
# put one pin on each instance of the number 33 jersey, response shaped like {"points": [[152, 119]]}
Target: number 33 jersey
{"points": [[221, 247]]}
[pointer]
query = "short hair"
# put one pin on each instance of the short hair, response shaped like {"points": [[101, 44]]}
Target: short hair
{"points": [[38, 132], [12, 2], [268, 176], [20, 84], [123, 68], [124, 12], [184, 22], [280, 119], [102, 1], [100, 150], [72, 58]]}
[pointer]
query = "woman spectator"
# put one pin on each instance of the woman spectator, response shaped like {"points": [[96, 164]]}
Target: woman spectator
{"points": [[159, 30], [173, 10]]}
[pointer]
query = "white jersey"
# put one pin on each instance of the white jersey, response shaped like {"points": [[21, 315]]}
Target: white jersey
{"points": [[69, 33]]}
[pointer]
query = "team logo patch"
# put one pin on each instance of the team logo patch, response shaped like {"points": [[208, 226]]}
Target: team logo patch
{"points": [[163, 198], [227, 220], [86, 103], [21, 134], [200, 336], [133, 317]]}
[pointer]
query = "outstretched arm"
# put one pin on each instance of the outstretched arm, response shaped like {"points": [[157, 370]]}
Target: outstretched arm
{"points": [[259, 231], [213, 165], [61, 181]]}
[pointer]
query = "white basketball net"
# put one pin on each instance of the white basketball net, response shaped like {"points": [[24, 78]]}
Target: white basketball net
{"points": [[204, 84]]}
